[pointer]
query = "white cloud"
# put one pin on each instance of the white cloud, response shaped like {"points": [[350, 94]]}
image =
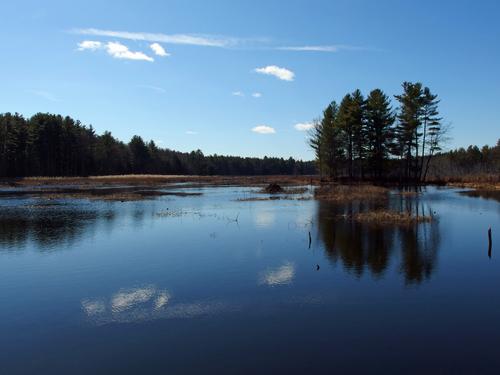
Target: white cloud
{"points": [[159, 90], [280, 73], [237, 93], [256, 94], [89, 45], [121, 51], [263, 129], [196, 40], [44, 94], [279, 276], [191, 132], [159, 50], [318, 48], [304, 126]]}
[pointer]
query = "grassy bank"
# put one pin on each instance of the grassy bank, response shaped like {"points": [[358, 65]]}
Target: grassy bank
{"points": [[158, 180]]}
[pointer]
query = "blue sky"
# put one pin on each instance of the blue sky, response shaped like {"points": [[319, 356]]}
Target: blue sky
{"points": [[238, 76]]}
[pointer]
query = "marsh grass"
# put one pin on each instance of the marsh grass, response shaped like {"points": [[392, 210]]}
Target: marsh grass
{"points": [[348, 193], [483, 181], [103, 193], [382, 217], [158, 180]]}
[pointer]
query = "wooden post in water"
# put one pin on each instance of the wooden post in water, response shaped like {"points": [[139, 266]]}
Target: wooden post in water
{"points": [[489, 242], [310, 240]]}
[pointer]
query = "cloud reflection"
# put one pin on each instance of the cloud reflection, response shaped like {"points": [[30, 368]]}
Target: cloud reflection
{"points": [[279, 276], [126, 299], [264, 218], [144, 304]]}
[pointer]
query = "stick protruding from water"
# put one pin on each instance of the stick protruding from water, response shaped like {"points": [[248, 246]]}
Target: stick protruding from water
{"points": [[489, 242]]}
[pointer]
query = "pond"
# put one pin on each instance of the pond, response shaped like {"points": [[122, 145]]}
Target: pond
{"points": [[223, 283]]}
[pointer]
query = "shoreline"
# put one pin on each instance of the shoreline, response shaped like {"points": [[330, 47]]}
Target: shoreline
{"points": [[197, 180]]}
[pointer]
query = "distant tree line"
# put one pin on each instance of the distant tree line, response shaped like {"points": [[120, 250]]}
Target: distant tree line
{"points": [[365, 138], [52, 145], [472, 162]]}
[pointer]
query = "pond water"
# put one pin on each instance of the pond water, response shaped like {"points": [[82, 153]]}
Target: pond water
{"points": [[216, 284]]}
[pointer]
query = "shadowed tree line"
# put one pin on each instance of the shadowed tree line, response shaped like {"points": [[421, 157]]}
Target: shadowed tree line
{"points": [[52, 145], [473, 162], [365, 138]]}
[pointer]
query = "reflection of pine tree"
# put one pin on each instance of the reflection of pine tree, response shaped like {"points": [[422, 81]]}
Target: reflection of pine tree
{"points": [[364, 247]]}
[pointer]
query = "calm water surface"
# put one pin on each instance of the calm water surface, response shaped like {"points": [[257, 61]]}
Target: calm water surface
{"points": [[213, 284]]}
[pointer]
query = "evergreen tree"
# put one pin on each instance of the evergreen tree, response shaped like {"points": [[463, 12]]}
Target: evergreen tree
{"points": [[345, 121], [379, 121], [433, 131], [408, 133], [316, 143], [331, 140], [357, 116]]}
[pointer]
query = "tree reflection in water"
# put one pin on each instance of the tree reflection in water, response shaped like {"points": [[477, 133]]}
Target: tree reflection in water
{"points": [[362, 247], [49, 226]]}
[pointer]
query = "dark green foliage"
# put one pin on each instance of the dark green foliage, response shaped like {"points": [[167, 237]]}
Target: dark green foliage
{"points": [[52, 145], [362, 138], [379, 132], [332, 139], [471, 161]]}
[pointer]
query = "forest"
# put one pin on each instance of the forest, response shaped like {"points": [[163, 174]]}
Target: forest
{"points": [[52, 145], [365, 138], [358, 139]]}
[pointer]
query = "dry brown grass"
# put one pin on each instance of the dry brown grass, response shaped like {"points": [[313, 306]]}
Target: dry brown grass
{"points": [[106, 193], [348, 193], [258, 199], [483, 181], [390, 217], [407, 193], [158, 180], [476, 185]]}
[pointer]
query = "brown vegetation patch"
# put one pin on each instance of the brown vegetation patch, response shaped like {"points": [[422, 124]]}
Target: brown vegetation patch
{"points": [[486, 194], [161, 180], [382, 217], [482, 181], [109, 194], [258, 199], [273, 188], [347, 193], [407, 193]]}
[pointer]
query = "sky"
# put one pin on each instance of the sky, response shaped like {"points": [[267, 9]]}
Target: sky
{"points": [[245, 77]]}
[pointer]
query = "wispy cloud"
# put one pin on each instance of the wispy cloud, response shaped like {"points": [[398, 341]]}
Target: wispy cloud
{"points": [[121, 51], [44, 94], [114, 49], [189, 39], [304, 126], [263, 129], [237, 93], [159, 90], [322, 48], [280, 73], [159, 50], [191, 132], [257, 95], [91, 45]]}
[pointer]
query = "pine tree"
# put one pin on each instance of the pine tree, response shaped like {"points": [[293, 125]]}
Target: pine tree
{"points": [[379, 121], [408, 129], [331, 139], [432, 133], [315, 141], [357, 110], [345, 122]]}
